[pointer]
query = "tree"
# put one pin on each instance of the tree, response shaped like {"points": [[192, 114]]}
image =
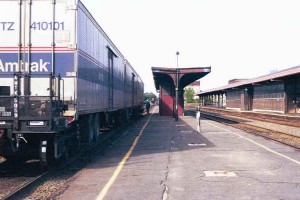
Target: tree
{"points": [[149, 96], [189, 95]]}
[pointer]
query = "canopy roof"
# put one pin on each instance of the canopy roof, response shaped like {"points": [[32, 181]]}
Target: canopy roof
{"points": [[186, 75]]}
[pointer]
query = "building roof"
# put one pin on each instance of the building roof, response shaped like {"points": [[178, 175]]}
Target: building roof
{"points": [[186, 75], [270, 77], [195, 84]]}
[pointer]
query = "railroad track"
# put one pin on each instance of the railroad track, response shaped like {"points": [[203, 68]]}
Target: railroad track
{"points": [[28, 179], [25, 187], [25, 181], [283, 138], [16, 178]]}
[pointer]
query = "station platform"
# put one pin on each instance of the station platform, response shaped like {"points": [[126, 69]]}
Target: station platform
{"points": [[287, 129], [293, 118], [159, 158]]}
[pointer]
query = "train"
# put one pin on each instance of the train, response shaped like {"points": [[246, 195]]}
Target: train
{"points": [[62, 79]]}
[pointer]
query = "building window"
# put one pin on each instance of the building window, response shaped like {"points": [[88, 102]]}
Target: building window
{"points": [[272, 91]]}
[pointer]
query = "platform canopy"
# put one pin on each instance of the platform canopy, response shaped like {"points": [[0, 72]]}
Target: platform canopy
{"points": [[186, 75], [165, 80]]}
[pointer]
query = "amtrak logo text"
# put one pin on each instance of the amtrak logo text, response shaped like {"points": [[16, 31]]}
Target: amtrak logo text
{"points": [[39, 66], [40, 63]]}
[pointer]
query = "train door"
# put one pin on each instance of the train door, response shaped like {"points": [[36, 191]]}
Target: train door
{"points": [[133, 90], [110, 80]]}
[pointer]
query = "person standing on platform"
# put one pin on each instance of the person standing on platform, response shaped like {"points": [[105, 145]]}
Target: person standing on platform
{"points": [[147, 106]]}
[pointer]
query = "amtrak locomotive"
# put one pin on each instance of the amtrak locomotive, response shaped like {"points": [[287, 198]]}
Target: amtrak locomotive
{"points": [[61, 79]]}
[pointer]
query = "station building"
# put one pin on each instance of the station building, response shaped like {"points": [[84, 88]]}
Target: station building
{"points": [[278, 92]]}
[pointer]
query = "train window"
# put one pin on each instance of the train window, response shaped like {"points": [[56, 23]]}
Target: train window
{"points": [[4, 90]]}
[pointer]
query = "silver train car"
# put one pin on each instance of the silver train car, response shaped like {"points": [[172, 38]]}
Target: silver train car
{"points": [[61, 79]]}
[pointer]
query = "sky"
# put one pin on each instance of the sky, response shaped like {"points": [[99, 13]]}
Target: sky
{"points": [[237, 38]]}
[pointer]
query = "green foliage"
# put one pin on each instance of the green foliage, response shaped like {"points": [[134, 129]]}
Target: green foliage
{"points": [[196, 100], [189, 95], [149, 96]]}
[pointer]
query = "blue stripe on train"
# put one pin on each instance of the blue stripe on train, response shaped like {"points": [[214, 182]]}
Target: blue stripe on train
{"points": [[40, 63], [64, 62]]}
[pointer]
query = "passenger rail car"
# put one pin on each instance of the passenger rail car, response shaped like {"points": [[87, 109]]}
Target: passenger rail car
{"points": [[61, 79]]}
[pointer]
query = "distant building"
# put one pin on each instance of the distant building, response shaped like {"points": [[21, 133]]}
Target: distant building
{"points": [[277, 92], [196, 87]]}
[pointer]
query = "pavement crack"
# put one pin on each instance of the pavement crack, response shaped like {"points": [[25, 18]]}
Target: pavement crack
{"points": [[164, 181], [165, 193]]}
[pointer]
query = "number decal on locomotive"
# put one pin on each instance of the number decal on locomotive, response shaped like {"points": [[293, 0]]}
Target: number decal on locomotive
{"points": [[37, 26], [7, 26], [46, 26]]}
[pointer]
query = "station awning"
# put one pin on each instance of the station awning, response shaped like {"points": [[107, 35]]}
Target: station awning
{"points": [[186, 75]]}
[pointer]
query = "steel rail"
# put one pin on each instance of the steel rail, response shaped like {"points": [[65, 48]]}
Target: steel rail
{"points": [[30, 185]]}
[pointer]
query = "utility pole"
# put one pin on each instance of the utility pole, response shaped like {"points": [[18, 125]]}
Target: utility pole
{"points": [[176, 89]]}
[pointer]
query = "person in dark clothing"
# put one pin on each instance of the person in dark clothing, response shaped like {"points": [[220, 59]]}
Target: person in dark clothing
{"points": [[147, 106]]}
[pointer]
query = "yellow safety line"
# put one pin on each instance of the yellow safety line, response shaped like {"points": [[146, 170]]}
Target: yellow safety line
{"points": [[260, 145], [121, 164]]}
